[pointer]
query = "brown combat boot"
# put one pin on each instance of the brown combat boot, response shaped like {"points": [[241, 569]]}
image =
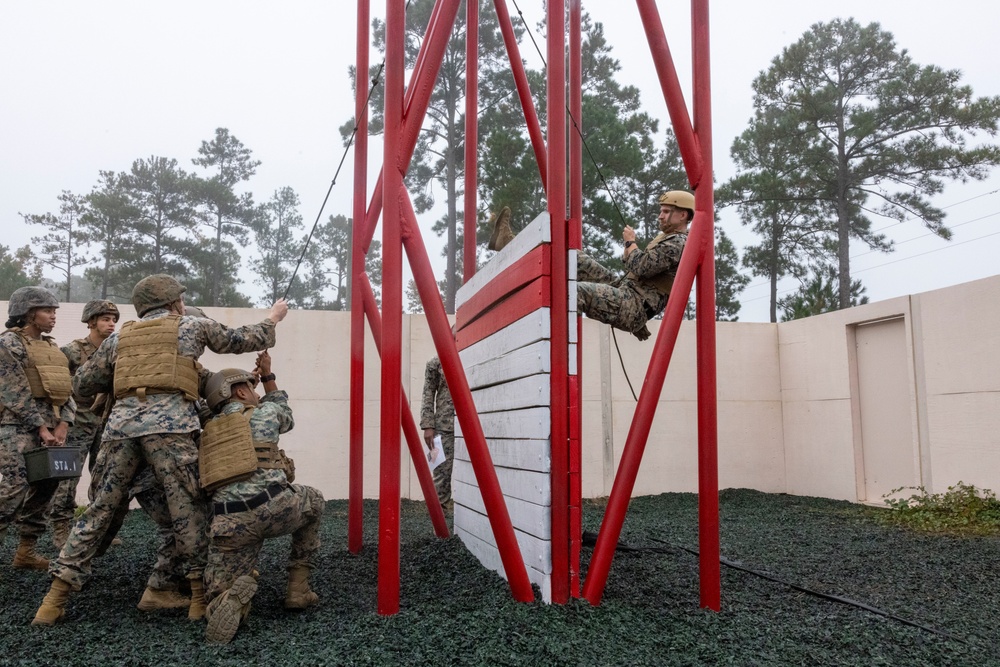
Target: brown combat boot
{"points": [[154, 598], [53, 604], [60, 533], [502, 233], [196, 611], [299, 595], [229, 610], [26, 558]]}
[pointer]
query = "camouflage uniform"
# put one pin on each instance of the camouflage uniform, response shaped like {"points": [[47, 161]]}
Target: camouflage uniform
{"points": [[437, 411], [628, 302], [160, 432], [85, 433], [237, 537], [21, 415]]}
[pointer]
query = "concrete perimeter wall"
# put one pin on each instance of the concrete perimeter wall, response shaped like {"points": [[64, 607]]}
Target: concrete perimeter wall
{"points": [[846, 405]]}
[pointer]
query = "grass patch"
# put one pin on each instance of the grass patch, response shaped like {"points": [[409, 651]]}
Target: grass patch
{"points": [[961, 510], [453, 612]]}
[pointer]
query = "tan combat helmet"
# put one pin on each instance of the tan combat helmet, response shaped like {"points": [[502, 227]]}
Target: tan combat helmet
{"points": [[98, 307], [25, 298], [680, 199], [219, 387], [155, 291]]}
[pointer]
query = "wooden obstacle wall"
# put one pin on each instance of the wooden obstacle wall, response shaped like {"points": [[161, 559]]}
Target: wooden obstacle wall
{"points": [[503, 336]]}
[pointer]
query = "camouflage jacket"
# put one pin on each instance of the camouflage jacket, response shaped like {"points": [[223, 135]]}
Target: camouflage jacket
{"points": [[19, 407], [663, 257], [437, 411], [272, 417], [78, 352], [165, 413]]}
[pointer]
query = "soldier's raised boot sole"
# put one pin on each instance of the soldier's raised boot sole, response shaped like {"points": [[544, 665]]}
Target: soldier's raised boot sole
{"points": [[226, 614]]}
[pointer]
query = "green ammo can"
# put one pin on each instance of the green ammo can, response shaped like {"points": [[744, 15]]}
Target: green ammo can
{"points": [[52, 463]]}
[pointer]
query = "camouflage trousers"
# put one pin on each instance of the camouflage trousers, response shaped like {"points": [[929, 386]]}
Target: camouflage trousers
{"points": [[442, 474], [21, 502], [173, 458], [237, 538], [602, 296], [168, 571], [63, 504]]}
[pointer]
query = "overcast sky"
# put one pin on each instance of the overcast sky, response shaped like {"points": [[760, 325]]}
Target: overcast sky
{"points": [[90, 86]]}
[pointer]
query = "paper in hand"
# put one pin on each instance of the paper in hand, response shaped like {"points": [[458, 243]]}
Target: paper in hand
{"points": [[435, 457]]}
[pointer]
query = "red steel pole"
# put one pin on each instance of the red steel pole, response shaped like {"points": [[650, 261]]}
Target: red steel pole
{"points": [[575, 241], [413, 439], [471, 216], [521, 84], [465, 409], [556, 196], [708, 427], [679, 119], [392, 304], [355, 509]]}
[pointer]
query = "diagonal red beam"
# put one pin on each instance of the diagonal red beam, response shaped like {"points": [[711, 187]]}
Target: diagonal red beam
{"points": [[523, 90], [465, 409], [679, 118], [649, 395], [412, 435], [416, 101]]}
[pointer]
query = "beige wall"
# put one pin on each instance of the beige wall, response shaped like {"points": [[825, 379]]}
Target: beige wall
{"points": [[790, 416]]}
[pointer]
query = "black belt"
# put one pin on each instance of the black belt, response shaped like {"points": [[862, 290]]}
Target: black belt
{"points": [[233, 506]]}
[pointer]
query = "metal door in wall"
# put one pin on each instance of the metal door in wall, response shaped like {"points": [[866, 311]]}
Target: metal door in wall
{"points": [[890, 456]]}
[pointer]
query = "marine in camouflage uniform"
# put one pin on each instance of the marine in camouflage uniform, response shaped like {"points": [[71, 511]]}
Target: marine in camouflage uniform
{"points": [[100, 316], [32, 415], [156, 428], [628, 302], [437, 417], [264, 505]]}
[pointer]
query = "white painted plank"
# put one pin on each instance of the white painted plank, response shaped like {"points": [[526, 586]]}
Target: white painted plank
{"points": [[522, 362], [531, 328], [531, 518], [571, 264], [537, 231], [521, 454], [537, 553], [489, 556], [531, 423], [527, 392], [571, 367], [573, 333], [534, 487]]}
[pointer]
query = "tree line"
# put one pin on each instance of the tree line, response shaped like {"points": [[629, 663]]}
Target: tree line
{"points": [[847, 130]]}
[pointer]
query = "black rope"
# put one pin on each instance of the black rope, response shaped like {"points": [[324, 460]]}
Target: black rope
{"points": [[622, 362], [590, 539]]}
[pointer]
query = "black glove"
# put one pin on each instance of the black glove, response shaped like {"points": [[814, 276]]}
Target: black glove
{"points": [[643, 333]]}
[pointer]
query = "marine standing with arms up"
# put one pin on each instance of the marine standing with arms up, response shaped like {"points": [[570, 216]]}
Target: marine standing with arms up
{"points": [[151, 366], [36, 409]]}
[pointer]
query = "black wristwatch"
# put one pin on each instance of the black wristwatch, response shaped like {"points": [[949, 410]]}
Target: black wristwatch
{"points": [[629, 244], [270, 377]]}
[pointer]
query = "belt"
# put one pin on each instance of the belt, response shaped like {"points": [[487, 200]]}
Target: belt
{"points": [[233, 506]]}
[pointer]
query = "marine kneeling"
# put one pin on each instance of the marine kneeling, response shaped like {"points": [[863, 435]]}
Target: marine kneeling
{"points": [[253, 497]]}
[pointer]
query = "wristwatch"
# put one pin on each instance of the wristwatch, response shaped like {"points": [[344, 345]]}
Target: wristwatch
{"points": [[270, 377], [629, 244]]}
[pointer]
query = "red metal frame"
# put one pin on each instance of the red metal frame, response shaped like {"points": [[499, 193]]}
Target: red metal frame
{"points": [[404, 113]]}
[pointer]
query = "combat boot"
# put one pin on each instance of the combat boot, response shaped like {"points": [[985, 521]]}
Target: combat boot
{"points": [[502, 233], [299, 595], [229, 610], [26, 558], [53, 604], [196, 611], [154, 598], [60, 533]]}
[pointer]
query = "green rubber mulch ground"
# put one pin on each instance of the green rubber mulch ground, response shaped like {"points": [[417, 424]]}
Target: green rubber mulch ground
{"points": [[456, 613]]}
